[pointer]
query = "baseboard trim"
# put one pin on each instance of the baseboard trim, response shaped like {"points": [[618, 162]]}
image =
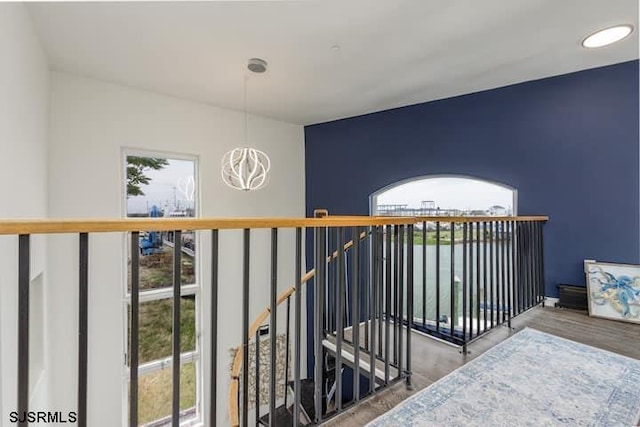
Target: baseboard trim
{"points": [[551, 301]]}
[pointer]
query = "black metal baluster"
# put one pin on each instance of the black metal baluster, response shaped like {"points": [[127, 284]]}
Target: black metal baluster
{"points": [[437, 276], [83, 320], [492, 275], [452, 281], [273, 326], [517, 254], [400, 313], [286, 352], [340, 291], [525, 264], [424, 274], [532, 267], [257, 390], [510, 278], [24, 267], [464, 286], [536, 261], [355, 311], [396, 284], [471, 281], [408, 372], [367, 293], [214, 327], [485, 272], [543, 287], [376, 255], [297, 327], [320, 283], [134, 329], [478, 274], [329, 295], [503, 300], [387, 300], [536, 265], [177, 279], [379, 301], [245, 325], [534, 275]]}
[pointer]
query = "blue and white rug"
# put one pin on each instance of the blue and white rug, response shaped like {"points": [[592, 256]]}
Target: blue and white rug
{"points": [[530, 379]]}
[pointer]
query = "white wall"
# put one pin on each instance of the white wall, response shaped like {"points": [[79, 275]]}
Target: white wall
{"points": [[24, 113], [91, 122]]}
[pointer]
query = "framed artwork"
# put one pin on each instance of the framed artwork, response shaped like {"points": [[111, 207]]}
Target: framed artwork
{"points": [[613, 291]]}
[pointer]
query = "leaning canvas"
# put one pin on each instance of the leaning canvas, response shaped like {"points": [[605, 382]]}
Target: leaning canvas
{"points": [[614, 291]]}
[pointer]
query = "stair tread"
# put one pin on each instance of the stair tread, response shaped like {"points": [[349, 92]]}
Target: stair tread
{"points": [[348, 357], [284, 417]]}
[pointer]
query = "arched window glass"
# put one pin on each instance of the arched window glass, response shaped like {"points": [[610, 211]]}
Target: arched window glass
{"points": [[445, 196]]}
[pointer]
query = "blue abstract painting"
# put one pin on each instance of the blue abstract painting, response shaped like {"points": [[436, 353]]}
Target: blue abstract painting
{"points": [[614, 291]]}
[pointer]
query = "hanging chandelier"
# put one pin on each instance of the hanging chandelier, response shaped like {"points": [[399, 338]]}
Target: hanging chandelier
{"points": [[246, 168]]}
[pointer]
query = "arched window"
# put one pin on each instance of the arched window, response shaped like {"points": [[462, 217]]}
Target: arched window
{"points": [[445, 195]]}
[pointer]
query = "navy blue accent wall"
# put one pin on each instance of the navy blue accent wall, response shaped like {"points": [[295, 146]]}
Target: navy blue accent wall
{"points": [[569, 144]]}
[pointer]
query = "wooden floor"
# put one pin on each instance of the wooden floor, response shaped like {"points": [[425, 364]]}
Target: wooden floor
{"points": [[433, 360]]}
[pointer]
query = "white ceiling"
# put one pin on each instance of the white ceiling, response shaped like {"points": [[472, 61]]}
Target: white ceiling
{"points": [[392, 53]]}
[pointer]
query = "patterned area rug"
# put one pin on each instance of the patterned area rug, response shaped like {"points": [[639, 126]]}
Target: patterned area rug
{"points": [[530, 379]]}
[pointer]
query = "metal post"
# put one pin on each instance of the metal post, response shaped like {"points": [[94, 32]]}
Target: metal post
{"points": [[376, 266], [424, 274], [273, 328], [24, 273], [134, 329], [492, 275], [340, 292], [83, 320], [387, 301], [257, 391], [177, 279], [213, 416], [484, 272], [297, 327], [409, 301], [541, 260], [452, 278], [437, 267], [464, 286], [400, 298], [396, 290], [355, 307], [245, 325], [320, 283]]}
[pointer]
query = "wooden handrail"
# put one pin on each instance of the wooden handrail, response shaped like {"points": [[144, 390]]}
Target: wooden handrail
{"points": [[52, 226], [237, 360], [460, 219]]}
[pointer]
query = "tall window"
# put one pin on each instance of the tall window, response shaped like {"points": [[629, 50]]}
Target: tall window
{"points": [[157, 186]]}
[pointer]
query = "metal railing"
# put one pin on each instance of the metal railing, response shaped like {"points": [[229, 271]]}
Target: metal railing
{"points": [[361, 290], [84, 229], [477, 273]]}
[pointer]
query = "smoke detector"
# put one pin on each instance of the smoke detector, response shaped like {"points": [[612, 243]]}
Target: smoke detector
{"points": [[257, 65]]}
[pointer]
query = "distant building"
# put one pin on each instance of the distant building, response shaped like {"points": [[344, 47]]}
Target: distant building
{"points": [[497, 210]]}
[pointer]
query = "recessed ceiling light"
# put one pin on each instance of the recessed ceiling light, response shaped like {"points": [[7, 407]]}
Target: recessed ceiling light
{"points": [[607, 36]]}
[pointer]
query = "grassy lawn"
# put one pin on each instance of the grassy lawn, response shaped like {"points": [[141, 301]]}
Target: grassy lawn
{"points": [[155, 336], [445, 237], [154, 400]]}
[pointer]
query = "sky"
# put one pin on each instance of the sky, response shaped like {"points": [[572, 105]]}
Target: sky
{"points": [[160, 191], [449, 193]]}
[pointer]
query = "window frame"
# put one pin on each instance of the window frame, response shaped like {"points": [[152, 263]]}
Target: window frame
{"points": [[195, 356]]}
